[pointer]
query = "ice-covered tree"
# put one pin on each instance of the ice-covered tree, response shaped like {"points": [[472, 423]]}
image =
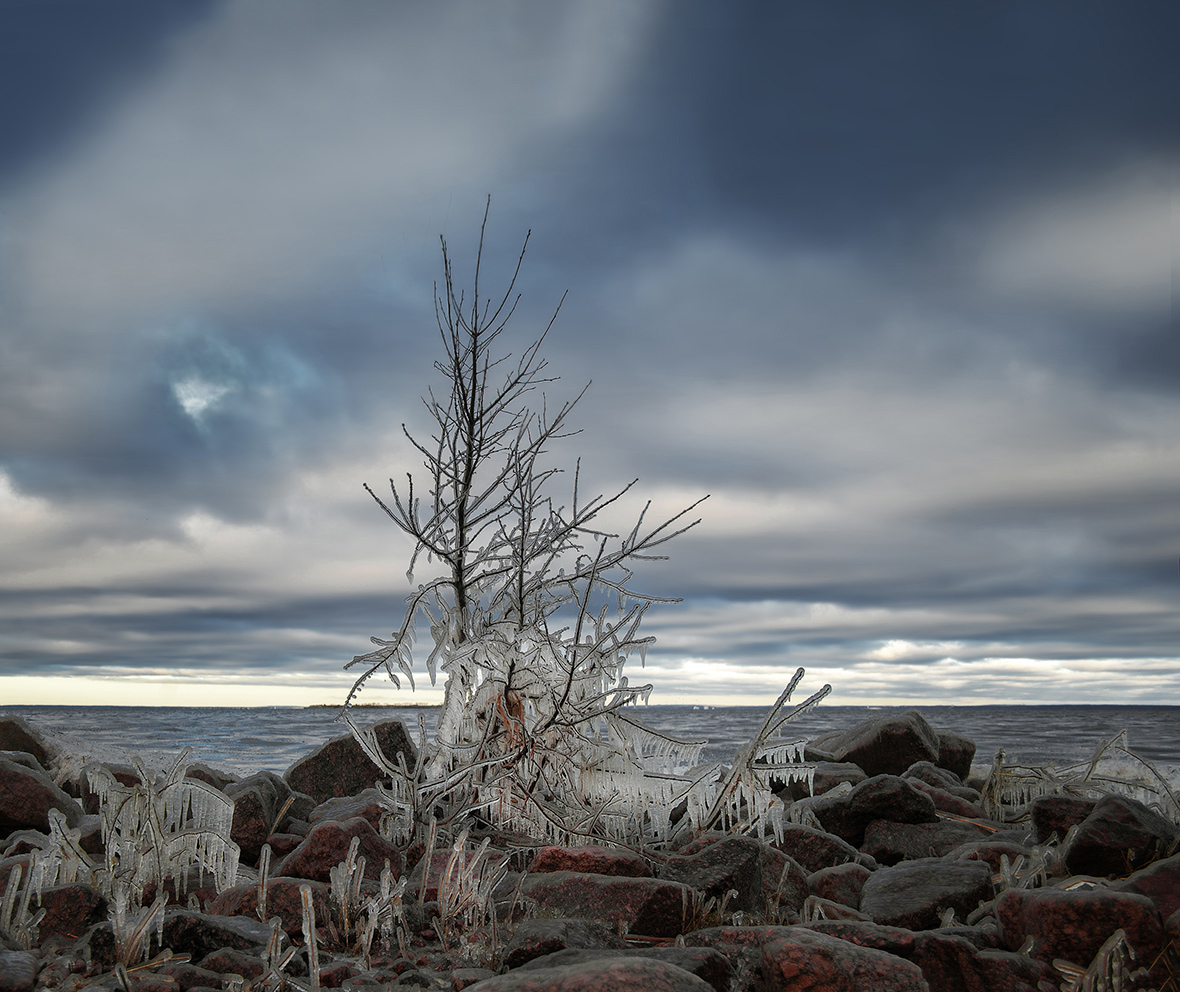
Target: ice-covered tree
{"points": [[531, 610]]}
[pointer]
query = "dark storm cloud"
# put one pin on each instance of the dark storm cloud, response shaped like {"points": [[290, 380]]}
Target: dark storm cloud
{"points": [[893, 283], [62, 62]]}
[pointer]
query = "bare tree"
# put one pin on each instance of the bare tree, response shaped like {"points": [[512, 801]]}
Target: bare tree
{"points": [[532, 614], [533, 654]]}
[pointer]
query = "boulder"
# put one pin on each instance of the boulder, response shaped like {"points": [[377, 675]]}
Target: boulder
{"points": [[915, 894], [1054, 815], [1073, 924], [541, 937], [648, 906], [210, 776], [1119, 836], [827, 775], [282, 900], [706, 963], [840, 883], [784, 882], [626, 973], [17, 735], [596, 860], [888, 797], [340, 767], [254, 813], [951, 960], [815, 849], [886, 746], [70, 910], [803, 959], [185, 932], [18, 970], [733, 863], [283, 844], [1160, 882], [891, 843], [235, 960], [783, 879], [991, 851], [262, 802], [948, 802], [368, 803], [326, 845], [831, 813], [955, 753], [27, 794], [940, 778]]}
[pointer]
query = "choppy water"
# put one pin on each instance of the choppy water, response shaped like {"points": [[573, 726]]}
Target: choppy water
{"points": [[242, 740]]}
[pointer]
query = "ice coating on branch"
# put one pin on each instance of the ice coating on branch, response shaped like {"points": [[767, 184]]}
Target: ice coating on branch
{"points": [[158, 829]]}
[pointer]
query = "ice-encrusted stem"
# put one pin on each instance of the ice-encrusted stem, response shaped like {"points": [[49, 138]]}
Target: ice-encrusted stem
{"points": [[309, 937]]}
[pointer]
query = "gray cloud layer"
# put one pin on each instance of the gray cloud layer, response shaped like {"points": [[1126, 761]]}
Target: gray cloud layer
{"points": [[896, 287]]}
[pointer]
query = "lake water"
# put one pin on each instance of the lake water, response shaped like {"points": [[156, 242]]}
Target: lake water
{"points": [[242, 740]]}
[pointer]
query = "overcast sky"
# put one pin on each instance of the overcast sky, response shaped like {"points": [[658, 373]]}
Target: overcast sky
{"points": [[894, 283]]}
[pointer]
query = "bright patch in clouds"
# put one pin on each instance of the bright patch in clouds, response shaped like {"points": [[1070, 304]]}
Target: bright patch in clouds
{"points": [[1112, 244], [196, 396]]}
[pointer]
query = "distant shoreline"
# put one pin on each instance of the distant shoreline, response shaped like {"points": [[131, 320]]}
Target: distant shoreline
{"points": [[375, 706]]}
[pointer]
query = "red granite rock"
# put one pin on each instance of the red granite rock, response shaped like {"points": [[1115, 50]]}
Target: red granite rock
{"points": [[815, 849], [282, 900], [915, 894], [596, 860], [28, 794], [950, 961], [251, 826], [70, 910], [232, 959], [326, 845], [1074, 924], [200, 933], [803, 959], [647, 906], [627, 973], [1054, 815], [18, 970], [955, 753], [947, 802], [886, 746], [538, 937], [1118, 837], [888, 797], [367, 803], [340, 767], [891, 843], [839, 883], [17, 735], [283, 844], [1160, 882], [990, 851], [784, 882], [706, 963], [733, 863]]}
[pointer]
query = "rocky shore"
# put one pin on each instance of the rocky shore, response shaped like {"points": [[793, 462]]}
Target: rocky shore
{"points": [[891, 877]]}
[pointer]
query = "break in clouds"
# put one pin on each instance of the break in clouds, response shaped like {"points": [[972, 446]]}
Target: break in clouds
{"points": [[896, 289]]}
